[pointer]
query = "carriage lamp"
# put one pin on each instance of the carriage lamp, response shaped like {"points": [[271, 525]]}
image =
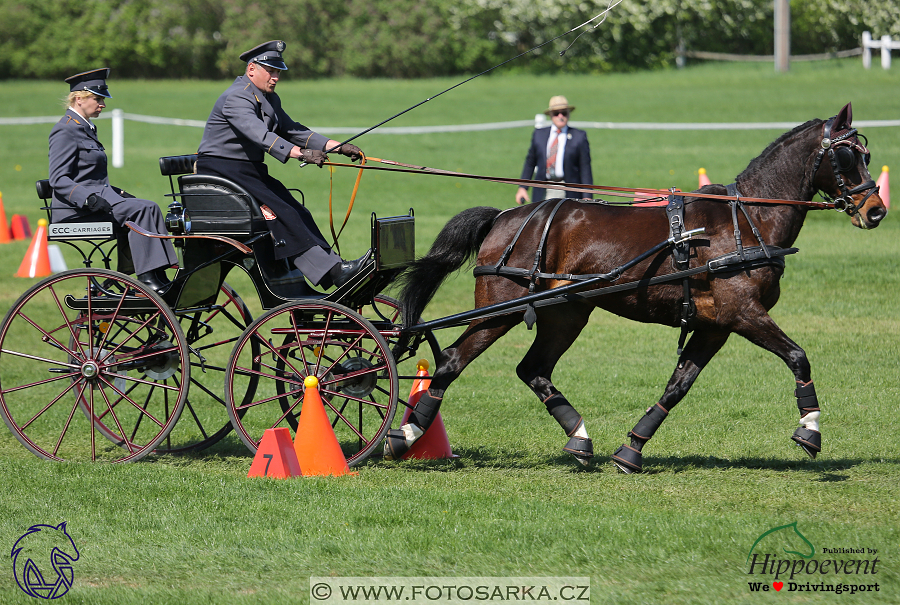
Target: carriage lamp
{"points": [[178, 221]]}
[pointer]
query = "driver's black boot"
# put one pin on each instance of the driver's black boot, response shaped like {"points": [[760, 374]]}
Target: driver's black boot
{"points": [[156, 279], [346, 269]]}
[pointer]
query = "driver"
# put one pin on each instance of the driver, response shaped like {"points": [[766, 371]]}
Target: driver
{"points": [[247, 122]]}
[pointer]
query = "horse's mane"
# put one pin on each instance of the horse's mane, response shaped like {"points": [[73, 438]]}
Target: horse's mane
{"points": [[758, 160]]}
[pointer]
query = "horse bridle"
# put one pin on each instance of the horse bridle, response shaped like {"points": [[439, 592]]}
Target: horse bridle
{"points": [[842, 154]]}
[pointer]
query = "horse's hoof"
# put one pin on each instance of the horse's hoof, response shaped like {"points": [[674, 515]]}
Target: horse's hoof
{"points": [[809, 440], [395, 444], [628, 460], [582, 448]]}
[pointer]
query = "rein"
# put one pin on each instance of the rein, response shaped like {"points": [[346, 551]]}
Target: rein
{"points": [[614, 191], [334, 235]]}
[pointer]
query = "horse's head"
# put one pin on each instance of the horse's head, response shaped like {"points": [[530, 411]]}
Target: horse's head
{"points": [[841, 174]]}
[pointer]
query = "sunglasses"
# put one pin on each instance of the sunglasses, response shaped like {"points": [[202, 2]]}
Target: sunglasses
{"points": [[560, 112]]}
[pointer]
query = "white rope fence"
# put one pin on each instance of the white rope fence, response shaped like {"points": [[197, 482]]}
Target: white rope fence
{"points": [[118, 126]]}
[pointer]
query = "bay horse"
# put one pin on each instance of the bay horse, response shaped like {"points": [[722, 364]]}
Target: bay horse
{"points": [[727, 287]]}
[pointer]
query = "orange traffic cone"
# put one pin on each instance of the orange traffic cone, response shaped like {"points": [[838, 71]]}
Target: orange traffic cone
{"points": [[704, 180], [434, 444], [37, 259], [884, 187], [4, 229], [316, 445], [275, 456], [19, 227]]}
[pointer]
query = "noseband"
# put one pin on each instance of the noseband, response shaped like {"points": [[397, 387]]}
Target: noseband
{"points": [[841, 151]]}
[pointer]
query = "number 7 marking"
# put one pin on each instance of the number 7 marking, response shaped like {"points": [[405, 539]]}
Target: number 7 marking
{"points": [[268, 462]]}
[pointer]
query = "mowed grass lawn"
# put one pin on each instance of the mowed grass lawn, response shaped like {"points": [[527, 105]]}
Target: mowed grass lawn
{"points": [[719, 473]]}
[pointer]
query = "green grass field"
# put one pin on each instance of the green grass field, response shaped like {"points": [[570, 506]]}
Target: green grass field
{"points": [[719, 473]]}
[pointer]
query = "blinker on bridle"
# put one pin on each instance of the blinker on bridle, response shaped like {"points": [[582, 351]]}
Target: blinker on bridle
{"points": [[842, 154]]}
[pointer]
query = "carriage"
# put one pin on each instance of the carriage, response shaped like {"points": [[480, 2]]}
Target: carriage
{"points": [[98, 366], [116, 360]]}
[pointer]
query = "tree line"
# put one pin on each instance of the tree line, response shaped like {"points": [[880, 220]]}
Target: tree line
{"points": [[407, 38]]}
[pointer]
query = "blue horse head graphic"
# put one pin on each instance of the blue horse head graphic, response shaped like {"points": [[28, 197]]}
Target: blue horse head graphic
{"points": [[41, 548]]}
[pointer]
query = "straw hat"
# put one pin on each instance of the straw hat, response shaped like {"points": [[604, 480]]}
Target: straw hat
{"points": [[558, 103]]}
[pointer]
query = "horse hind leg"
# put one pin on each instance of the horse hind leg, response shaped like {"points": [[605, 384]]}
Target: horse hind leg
{"points": [[579, 444], [478, 336], [700, 348], [556, 331], [807, 435]]}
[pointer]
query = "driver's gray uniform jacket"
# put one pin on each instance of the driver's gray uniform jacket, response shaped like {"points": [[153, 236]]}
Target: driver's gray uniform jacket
{"points": [[243, 126], [246, 123]]}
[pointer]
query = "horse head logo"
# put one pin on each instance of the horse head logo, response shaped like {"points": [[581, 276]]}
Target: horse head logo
{"points": [[41, 548], [789, 532]]}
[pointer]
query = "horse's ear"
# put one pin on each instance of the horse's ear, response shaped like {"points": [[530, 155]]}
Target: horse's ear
{"points": [[843, 119]]}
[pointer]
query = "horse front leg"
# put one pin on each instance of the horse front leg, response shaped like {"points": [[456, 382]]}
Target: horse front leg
{"points": [[700, 348], [478, 336], [766, 334]]}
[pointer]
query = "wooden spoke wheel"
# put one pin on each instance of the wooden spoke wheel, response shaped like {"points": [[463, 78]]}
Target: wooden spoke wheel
{"points": [[211, 332], [88, 353], [357, 375]]}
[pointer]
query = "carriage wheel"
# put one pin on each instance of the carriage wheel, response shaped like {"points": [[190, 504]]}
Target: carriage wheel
{"points": [[356, 371], [386, 316], [99, 341], [210, 333]]}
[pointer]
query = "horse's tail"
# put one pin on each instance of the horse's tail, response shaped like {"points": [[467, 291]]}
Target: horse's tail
{"points": [[458, 241]]}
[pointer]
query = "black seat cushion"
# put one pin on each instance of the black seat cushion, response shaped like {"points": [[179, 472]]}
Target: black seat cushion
{"points": [[218, 206]]}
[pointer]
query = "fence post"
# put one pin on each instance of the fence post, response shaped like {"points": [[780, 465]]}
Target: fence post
{"points": [[886, 51], [867, 49], [118, 138], [782, 35]]}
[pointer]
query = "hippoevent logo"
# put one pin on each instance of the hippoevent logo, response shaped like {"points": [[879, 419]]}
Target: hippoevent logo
{"points": [[782, 558], [42, 561]]}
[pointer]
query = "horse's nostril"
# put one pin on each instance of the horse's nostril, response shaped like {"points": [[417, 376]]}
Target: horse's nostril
{"points": [[876, 214]]}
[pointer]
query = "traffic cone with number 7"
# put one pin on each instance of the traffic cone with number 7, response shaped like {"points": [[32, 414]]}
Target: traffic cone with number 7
{"points": [[434, 444], [317, 447]]}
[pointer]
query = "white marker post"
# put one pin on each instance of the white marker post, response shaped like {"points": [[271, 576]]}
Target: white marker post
{"points": [[118, 138]]}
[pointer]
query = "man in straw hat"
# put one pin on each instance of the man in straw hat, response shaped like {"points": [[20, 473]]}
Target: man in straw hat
{"points": [[558, 153], [246, 123]]}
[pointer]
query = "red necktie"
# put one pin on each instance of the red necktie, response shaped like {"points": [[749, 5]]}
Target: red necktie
{"points": [[551, 155]]}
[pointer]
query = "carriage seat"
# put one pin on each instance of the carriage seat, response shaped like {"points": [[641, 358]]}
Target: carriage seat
{"points": [[209, 205], [217, 206], [92, 226]]}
